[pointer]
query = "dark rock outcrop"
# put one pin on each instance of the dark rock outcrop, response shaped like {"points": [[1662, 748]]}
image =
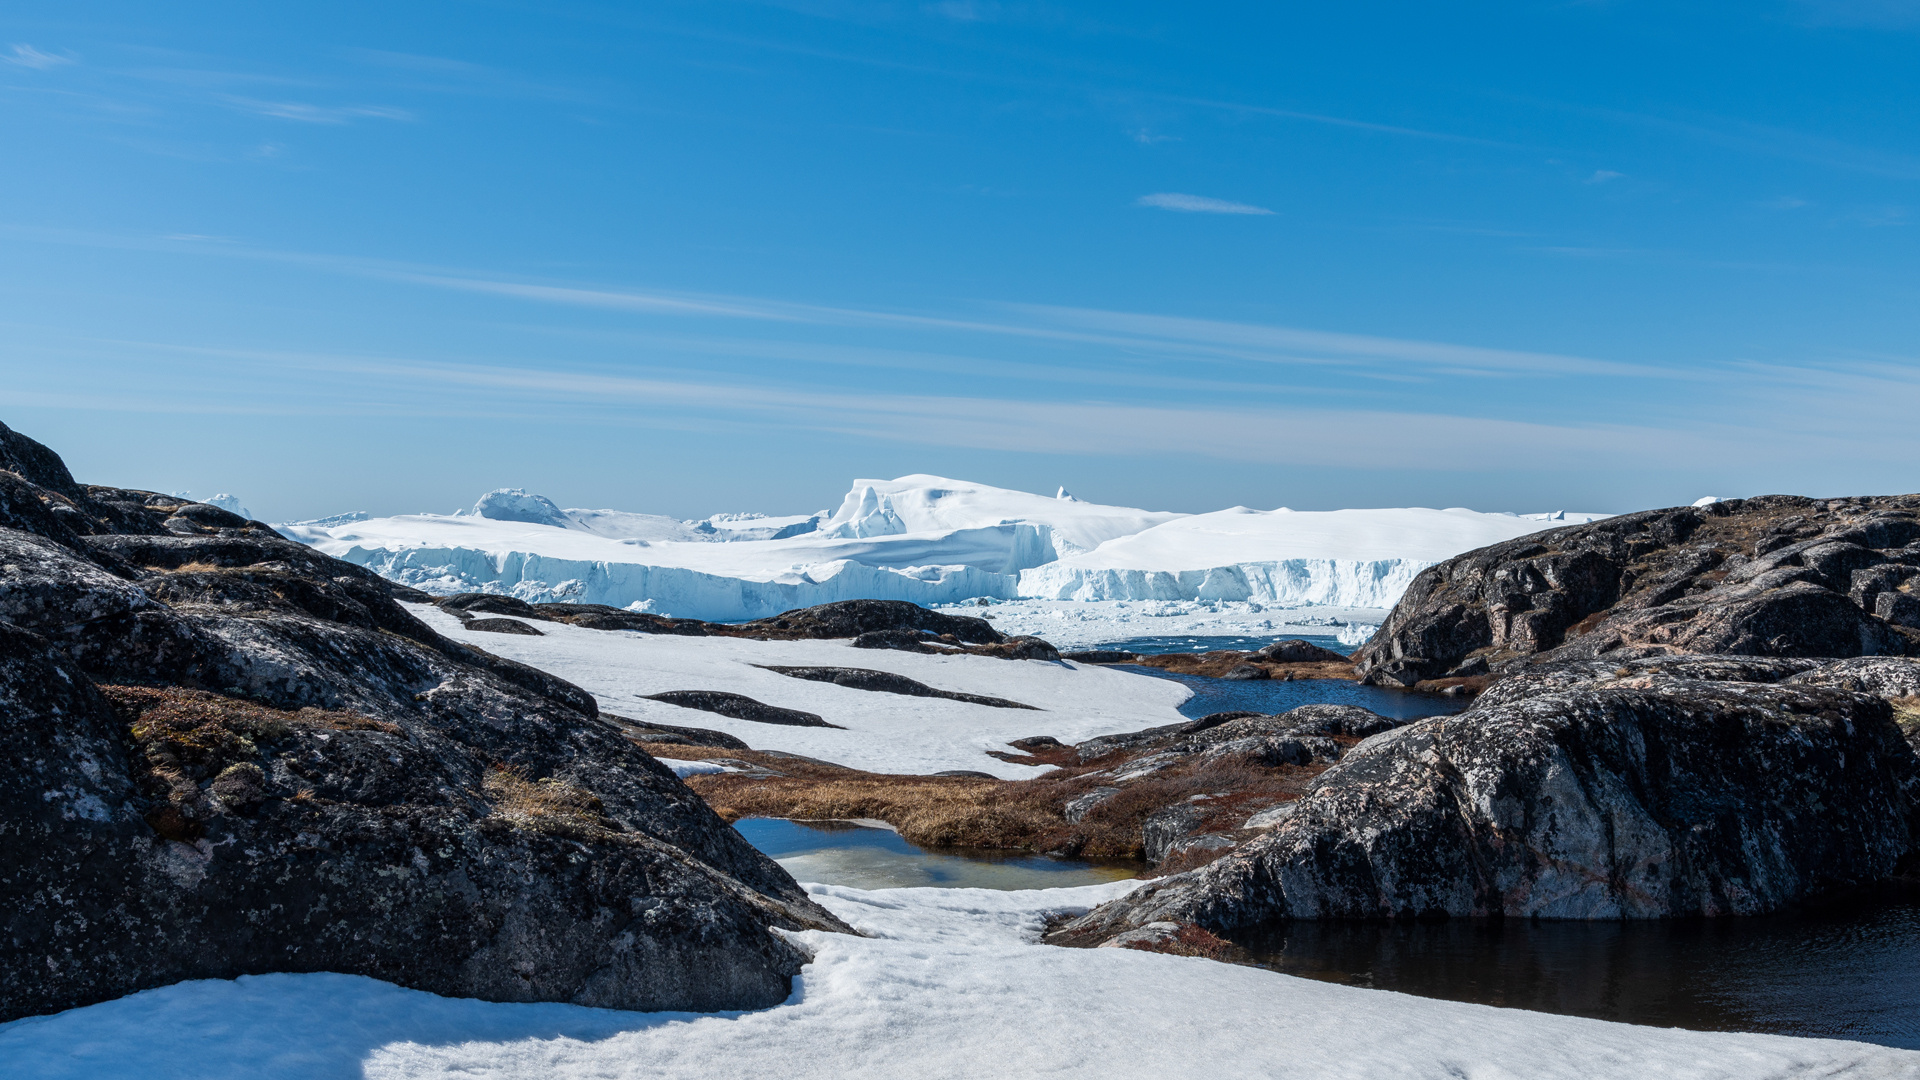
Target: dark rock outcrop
{"points": [[886, 682], [1101, 656], [1771, 576], [1297, 651], [504, 626], [924, 641], [851, 618], [225, 753], [652, 732], [1293, 737], [872, 624], [740, 707], [905, 640], [1601, 796]]}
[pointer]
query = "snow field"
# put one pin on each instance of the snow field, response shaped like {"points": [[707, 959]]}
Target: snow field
{"points": [[889, 733], [951, 983]]}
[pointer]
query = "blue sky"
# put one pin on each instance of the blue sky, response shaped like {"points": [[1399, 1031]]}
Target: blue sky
{"points": [[697, 257]]}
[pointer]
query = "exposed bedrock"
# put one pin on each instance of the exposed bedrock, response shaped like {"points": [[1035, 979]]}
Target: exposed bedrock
{"points": [[740, 707], [1641, 796], [871, 624], [1772, 576], [223, 753], [886, 682]]}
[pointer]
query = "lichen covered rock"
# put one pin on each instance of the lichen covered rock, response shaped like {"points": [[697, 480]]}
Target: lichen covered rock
{"points": [[222, 753], [1633, 796]]}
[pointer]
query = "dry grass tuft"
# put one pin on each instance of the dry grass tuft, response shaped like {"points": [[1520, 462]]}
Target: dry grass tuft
{"points": [[1906, 713], [183, 737], [1189, 940], [201, 734], [546, 805]]}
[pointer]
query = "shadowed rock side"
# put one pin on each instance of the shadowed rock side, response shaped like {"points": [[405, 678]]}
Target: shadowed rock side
{"points": [[223, 753], [1773, 576], [1624, 792]]}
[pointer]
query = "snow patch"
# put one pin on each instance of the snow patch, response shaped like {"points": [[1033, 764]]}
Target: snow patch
{"points": [[948, 983]]}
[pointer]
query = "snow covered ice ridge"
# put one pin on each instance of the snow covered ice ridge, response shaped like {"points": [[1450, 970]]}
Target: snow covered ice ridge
{"points": [[927, 539], [950, 983]]}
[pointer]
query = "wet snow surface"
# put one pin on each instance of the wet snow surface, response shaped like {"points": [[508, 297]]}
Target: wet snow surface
{"points": [[950, 984]]}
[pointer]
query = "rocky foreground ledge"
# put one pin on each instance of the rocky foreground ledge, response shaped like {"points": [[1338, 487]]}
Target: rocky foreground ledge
{"points": [[1702, 711], [224, 753]]}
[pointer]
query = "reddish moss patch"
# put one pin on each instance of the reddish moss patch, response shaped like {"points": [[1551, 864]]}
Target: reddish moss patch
{"points": [[1189, 940], [1006, 815]]}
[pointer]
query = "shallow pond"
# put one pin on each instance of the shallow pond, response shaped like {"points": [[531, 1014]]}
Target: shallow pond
{"points": [[1273, 696], [1850, 972], [866, 857]]}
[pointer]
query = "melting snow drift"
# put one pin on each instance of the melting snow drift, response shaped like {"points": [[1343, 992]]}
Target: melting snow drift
{"points": [[922, 538], [950, 983]]}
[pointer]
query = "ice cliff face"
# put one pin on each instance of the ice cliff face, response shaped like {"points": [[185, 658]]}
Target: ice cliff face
{"points": [[927, 539]]}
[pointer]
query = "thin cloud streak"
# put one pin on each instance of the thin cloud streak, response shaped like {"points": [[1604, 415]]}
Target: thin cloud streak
{"points": [[316, 114], [1353, 346], [29, 57], [1339, 121], [1158, 334], [1198, 204], [1424, 441]]}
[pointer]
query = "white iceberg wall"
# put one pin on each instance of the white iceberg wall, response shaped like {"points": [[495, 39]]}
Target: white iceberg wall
{"points": [[669, 589], [1329, 582]]}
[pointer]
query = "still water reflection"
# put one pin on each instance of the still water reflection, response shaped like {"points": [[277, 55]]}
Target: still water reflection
{"points": [[1849, 972], [845, 853]]}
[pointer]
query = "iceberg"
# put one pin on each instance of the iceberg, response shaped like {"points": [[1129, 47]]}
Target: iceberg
{"points": [[1339, 558], [928, 539]]}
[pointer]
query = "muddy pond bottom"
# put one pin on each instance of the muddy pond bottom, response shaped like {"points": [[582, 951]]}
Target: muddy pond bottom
{"points": [[1849, 972], [864, 857]]}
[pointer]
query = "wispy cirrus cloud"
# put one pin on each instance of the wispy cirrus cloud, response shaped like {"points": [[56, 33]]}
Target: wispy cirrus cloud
{"points": [[29, 57], [317, 114], [1198, 204], [1239, 432], [1140, 334]]}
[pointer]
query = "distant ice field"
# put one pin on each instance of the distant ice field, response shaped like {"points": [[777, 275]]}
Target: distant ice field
{"points": [[926, 539]]}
